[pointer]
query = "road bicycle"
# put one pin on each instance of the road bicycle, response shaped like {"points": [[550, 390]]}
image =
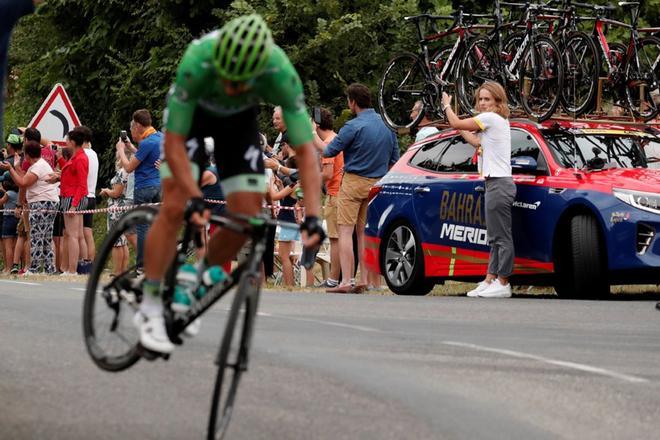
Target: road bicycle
{"points": [[409, 77], [631, 70], [109, 306], [532, 76]]}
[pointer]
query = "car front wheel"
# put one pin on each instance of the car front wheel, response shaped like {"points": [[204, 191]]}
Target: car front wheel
{"points": [[402, 262]]}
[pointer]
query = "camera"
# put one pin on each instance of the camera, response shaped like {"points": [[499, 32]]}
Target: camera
{"points": [[291, 179], [317, 115], [123, 135]]}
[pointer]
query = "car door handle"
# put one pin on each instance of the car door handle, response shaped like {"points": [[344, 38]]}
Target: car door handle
{"points": [[479, 189], [422, 189]]}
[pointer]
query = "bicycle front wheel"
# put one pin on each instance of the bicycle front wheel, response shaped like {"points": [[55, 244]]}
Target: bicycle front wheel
{"points": [[110, 304], [402, 84], [541, 78], [642, 86], [232, 358]]}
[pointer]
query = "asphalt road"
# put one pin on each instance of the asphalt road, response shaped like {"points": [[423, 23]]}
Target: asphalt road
{"points": [[347, 367]]}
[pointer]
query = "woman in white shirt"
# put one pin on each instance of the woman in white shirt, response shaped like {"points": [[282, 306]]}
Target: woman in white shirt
{"points": [[43, 201], [493, 143]]}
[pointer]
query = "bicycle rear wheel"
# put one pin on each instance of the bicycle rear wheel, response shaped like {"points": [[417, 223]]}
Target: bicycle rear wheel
{"points": [[232, 358], [581, 71], [642, 86], [541, 78], [403, 83], [110, 305], [478, 64]]}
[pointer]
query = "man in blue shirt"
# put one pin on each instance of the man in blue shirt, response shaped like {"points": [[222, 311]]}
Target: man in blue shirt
{"points": [[370, 149], [147, 176]]}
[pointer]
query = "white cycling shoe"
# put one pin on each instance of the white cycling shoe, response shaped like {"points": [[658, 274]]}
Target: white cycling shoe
{"points": [[193, 328], [153, 335]]}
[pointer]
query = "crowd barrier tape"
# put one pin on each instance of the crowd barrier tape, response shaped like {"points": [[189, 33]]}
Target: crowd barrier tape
{"points": [[129, 207]]}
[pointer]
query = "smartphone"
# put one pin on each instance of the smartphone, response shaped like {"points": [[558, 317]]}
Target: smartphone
{"points": [[123, 135], [317, 115]]}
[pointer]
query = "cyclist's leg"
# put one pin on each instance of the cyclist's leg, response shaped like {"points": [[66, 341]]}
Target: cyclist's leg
{"points": [[241, 170]]}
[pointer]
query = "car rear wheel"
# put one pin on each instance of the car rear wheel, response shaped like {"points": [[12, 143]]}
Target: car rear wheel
{"points": [[582, 267], [402, 261]]}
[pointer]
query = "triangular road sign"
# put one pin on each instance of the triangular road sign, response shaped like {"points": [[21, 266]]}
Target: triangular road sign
{"points": [[56, 116]]}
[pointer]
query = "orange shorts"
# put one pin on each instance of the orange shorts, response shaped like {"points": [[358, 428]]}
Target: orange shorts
{"points": [[330, 215]]}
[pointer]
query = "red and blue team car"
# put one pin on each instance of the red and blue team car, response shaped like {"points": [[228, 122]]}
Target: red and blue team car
{"points": [[586, 216]]}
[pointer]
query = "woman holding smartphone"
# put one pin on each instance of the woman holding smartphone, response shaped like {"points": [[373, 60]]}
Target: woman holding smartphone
{"points": [[493, 143]]}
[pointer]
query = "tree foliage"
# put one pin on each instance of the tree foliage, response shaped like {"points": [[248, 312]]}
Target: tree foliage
{"points": [[115, 56]]}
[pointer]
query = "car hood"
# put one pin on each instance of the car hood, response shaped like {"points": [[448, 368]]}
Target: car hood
{"points": [[636, 179]]}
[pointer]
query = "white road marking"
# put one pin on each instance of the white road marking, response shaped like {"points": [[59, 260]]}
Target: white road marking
{"points": [[565, 364], [81, 289], [20, 282], [320, 321]]}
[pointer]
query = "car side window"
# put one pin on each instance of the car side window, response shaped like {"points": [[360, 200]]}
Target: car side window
{"points": [[523, 144], [428, 156], [458, 156]]}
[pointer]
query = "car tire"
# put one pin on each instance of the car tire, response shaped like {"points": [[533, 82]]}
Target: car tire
{"points": [[402, 261], [582, 267]]}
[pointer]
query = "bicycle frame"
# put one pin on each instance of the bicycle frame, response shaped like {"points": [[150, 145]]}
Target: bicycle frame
{"points": [[256, 228]]}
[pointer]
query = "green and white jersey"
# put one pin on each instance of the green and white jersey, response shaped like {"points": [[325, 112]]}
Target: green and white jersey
{"points": [[199, 86]]}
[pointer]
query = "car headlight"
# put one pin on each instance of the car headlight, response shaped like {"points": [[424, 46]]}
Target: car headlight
{"points": [[647, 201]]}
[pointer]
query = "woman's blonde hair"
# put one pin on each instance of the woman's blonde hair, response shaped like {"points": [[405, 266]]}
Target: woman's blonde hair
{"points": [[498, 93]]}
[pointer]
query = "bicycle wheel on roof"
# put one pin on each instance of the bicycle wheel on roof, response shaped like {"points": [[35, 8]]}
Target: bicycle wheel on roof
{"points": [[402, 84]]}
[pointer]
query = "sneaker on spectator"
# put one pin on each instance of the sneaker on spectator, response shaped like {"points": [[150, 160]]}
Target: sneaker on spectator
{"points": [[22, 271], [14, 269], [67, 274], [496, 290], [327, 284], [28, 273], [480, 288]]}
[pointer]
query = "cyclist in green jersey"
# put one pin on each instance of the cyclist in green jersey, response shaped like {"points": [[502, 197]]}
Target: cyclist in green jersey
{"points": [[222, 78]]}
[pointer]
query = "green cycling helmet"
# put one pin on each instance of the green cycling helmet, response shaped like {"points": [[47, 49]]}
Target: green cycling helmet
{"points": [[243, 48]]}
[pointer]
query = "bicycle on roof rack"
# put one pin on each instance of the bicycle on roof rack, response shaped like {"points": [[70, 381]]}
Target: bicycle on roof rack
{"points": [[630, 70], [110, 304], [409, 77]]}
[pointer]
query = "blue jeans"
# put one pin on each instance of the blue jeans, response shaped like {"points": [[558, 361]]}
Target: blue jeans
{"points": [[149, 194]]}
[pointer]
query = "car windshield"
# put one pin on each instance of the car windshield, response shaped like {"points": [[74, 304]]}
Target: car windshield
{"points": [[596, 151]]}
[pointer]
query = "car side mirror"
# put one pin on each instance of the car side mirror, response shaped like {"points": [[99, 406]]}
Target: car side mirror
{"points": [[523, 164]]}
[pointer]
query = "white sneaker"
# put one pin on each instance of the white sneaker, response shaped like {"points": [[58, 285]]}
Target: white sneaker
{"points": [[480, 288], [193, 328], [153, 335], [496, 290]]}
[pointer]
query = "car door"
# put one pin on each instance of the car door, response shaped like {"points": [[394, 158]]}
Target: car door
{"points": [[531, 233], [449, 207]]}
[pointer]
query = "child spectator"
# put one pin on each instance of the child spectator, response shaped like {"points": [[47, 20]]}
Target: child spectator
{"points": [[116, 199]]}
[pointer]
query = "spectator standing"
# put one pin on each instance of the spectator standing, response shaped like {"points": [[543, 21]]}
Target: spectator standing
{"points": [[73, 190], [426, 129], [280, 126], [283, 192], [116, 200], [88, 218], [332, 171], [143, 163], [494, 145], [43, 201], [9, 220], [369, 148]]}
